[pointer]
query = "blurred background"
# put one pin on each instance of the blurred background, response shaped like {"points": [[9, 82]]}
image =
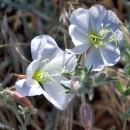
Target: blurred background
{"points": [[20, 22]]}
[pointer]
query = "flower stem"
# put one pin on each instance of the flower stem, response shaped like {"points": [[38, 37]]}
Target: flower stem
{"points": [[83, 99], [124, 124], [82, 62], [83, 58]]}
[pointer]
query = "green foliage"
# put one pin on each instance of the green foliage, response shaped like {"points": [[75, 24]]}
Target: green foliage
{"points": [[125, 116], [88, 80], [128, 70], [113, 128], [119, 87], [3, 126]]}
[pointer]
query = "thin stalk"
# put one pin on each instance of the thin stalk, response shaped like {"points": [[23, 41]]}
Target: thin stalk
{"points": [[65, 42], [125, 121], [83, 99], [83, 58], [124, 124], [82, 63]]}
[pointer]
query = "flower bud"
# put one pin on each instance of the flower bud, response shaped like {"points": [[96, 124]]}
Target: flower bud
{"points": [[75, 83], [86, 116], [21, 99]]}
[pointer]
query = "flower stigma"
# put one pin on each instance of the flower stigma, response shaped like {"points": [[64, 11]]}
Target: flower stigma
{"points": [[97, 38], [42, 74]]}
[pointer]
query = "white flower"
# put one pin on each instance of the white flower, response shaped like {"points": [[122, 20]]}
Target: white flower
{"points": [[96, 31], [43, 73]]}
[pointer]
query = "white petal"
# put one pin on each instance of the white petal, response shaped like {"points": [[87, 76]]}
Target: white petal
{"points": [[51, 48], [112, 20], [56, 92], [94, 57], [24, 89], [63, 59], [80, 18], [96, 14], [44, 46], [101, 57], [77, 35], [79, 49], [33, 66], [67, 83], [37, 46], [110, 55]]}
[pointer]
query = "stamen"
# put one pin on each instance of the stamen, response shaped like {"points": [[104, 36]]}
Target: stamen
{"points": [[96, 38], [41, 74]]}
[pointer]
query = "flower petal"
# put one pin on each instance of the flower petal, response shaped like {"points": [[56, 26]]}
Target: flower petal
{"points": [[37, 46], [51, 48], [57, 95], [96, 14], [112, 20], [79, 49], [94, 57], [25, 90], [77, 35], [67, 83], [101, 57], [110, 54], [33, 66], [80, 18], [43, 46], [63, 59]]}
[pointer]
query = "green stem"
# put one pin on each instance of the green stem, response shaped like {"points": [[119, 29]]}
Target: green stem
{"points": [[124, 124]]}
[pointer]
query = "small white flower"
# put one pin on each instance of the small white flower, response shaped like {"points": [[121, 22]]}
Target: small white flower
{"points": [[43, 73], [96, 31]]}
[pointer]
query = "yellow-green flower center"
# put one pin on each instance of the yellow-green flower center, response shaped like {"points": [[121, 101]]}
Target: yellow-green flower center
{"points": [[97, 38], [40, 76]]}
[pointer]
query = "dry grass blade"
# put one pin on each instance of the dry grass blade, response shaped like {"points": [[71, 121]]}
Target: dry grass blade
{"points": [[17, 59], [125, 32]]}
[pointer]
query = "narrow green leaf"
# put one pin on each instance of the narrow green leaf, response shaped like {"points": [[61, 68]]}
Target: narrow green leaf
{"points": [[119, 87], [89, 72], [66, 87], [127, 91], [28, 115], [124, 116], [79, 59], [107, 79], [128, 71], [113, 128]]}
